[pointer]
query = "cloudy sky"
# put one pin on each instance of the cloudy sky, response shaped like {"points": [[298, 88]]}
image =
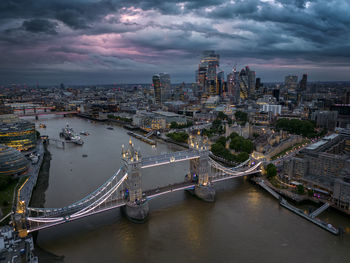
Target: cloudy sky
{"points": [[126, 41]]}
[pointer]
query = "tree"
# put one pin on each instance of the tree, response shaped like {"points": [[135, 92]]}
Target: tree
{"points": [[178, 136], [241, 157], [295, 126], [271, 170], [173, 125], [4, 181], [222, 116], [239, 144], [222, 140], [233, 135], [300, 189], [241, 116]]}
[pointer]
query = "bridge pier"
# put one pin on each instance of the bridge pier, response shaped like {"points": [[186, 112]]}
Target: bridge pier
{"points": [[136, 208], [200, 169]]}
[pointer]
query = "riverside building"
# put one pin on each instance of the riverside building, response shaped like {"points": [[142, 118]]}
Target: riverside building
{"points": [[12, 162], [17, 133]]}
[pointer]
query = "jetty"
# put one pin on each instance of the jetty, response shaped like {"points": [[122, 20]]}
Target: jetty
{"points": [[310, 217], [143, 138]]}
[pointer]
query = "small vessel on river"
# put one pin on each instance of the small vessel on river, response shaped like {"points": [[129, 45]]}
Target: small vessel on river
{"points": [[84, 133], [69, 134]]}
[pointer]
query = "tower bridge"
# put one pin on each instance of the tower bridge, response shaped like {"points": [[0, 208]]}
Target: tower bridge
{"points": [[124, 188]]}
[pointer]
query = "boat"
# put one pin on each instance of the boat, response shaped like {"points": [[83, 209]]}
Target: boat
{"points": [[110, 128], [42, 125], [84, 133], [77, 140], [69, 134], [34, 158]]}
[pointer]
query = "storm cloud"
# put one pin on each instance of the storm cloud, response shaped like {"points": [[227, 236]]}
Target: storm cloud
{"points": [[111, 41]]}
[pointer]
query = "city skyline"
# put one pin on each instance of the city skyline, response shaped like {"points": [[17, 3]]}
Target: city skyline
{"points": [[95, 42]]}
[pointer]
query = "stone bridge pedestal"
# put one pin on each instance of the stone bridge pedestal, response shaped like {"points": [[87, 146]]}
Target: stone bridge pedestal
{"points": [[205, 192], [136, 213]]}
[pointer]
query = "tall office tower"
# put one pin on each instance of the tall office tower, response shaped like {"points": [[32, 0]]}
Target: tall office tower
{"points": [[243, 84], [202, 75], [157, 89], [251, 82], [257, 84], [291, 82], [276, 94], [208, 65], [166, 85], [233, 89], [220, 83], [212, 87], [303, 83]]}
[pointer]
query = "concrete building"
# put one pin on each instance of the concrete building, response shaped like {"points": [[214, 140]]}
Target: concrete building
{"points": [[325, 167], [291, 82], [275, 109], [325, 119], [157, 120], [158, 90]]}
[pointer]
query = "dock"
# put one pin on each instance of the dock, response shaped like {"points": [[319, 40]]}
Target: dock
{"points": [[316, 221], [142, 138], [310, 217]]}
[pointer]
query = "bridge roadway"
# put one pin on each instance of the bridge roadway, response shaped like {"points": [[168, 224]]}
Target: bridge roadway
{"points": [[152, 193], [163, 159]]}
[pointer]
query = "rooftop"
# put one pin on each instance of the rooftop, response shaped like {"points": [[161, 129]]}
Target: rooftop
{"points": [[315, 145], [167, 113], [331, 137]]}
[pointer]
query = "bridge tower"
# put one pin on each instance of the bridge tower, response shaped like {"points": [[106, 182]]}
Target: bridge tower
{"points": [[136, 208], [19, 219], [200, 169]]}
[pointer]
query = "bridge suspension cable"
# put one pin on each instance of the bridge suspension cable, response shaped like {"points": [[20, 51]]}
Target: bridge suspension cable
{"points": [[47, 212], [83, 211]]}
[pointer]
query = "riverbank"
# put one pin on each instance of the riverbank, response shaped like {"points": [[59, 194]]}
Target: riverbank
{"points": [[38, 200]]}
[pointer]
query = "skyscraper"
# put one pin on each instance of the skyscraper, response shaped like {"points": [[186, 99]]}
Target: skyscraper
{"points": [[207, 71], [165, 85], [257, 84], [220, 83], [243, 84], [303, 83], [233, 88], [157, 89], [251, 82], [291, 82]]}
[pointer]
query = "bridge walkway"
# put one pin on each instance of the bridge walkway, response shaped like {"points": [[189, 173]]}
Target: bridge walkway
{"points": [[319, 210], [168, 158]]}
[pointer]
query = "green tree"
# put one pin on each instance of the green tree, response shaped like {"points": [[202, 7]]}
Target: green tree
{"points": [[4, 181], [241, 116], [295, 126], [173, 125], [239, 144], [222, 116], [241, 157], [271, 170], [178, 136], [300, 189], [222, 140], [233, 135]]}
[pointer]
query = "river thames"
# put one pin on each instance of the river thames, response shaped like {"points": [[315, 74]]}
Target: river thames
{"points": [[244, 224]]}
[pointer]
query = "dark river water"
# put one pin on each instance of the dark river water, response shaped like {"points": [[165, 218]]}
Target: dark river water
{"points": [[244, 224]]}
